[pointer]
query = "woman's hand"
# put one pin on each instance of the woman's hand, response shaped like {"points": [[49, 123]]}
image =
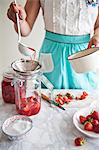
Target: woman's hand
{"points": [[27, 15], [94, 41], [13, 9]]}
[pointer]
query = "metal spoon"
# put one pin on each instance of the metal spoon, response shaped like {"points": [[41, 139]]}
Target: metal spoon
{"points": [[24, 49]]}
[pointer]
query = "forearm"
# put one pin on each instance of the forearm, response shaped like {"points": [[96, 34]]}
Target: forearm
{"points": [[96, 27], [24, 28], [32, 8], [96, 31]]}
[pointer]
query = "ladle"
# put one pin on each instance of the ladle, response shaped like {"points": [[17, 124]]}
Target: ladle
{"points": [[23, 48]]}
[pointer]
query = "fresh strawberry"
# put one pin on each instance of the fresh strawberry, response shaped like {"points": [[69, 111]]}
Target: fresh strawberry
{"points": [[59, 95], [82, 97], [82, 119], [23, 100], [79, 141], [69, 96], [56, 99], [77, 98], [26, 109], [89, 118], [32, 99], [88, 126], [95, 122], [85, 93], [96, 128], [65, 99], [59, 101], [95, 115]]}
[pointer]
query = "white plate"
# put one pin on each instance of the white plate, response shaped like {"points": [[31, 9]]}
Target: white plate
{"points": [[85, 112], [92, 95]]}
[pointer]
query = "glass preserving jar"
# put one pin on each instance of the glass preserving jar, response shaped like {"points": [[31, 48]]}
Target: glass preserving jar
{"points": [[29, 75], [28, 99], [7, 86], [28, 103], [8, 92]]}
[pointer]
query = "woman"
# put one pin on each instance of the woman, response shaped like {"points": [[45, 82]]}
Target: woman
{"points": [[71, 26]]}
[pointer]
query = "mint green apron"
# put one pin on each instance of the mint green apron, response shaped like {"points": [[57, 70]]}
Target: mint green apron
{"points": [[54, 53]]}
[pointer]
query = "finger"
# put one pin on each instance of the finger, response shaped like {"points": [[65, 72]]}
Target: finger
{"points": [[11, 16], [14, 8], [22, 13], [12, 4], [90, 44], [8, 13], [96, 43]]}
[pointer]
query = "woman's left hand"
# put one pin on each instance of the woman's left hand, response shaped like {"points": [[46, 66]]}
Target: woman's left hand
{"points": [[94, 41]]}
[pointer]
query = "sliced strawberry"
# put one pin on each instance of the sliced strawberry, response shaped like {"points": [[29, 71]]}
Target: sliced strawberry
{"points": [[85, 93], [82, 119], [70, 96], [65, 99], [23, 100], [82, 97], [59, 101], [59, 95], [34, 109], [26, 108], [79, 141]]}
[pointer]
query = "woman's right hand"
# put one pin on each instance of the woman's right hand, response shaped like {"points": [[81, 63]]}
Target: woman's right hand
{"points": [[13, 9]]}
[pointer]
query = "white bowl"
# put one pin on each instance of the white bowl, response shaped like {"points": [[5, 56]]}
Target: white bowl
{"points": [[16, 127], [84, 112], [86, 60]]}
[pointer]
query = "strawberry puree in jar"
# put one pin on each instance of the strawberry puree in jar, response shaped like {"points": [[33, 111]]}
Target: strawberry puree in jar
{"points": [[7, 85], [8, 92]]}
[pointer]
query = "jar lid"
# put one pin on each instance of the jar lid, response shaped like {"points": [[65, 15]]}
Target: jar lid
{"points": [[9, 73]]}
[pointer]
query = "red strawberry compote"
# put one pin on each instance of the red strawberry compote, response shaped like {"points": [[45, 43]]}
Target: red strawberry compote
{"points": [[8, 89], [8, 92]]}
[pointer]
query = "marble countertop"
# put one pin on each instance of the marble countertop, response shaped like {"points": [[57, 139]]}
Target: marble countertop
{"points": [[53, 128]]}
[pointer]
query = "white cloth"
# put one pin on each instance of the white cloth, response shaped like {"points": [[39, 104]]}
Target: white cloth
{"points": [[69, 17]]}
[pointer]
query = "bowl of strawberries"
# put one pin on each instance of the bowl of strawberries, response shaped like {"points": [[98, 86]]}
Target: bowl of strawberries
{"points": [[86, 120]]}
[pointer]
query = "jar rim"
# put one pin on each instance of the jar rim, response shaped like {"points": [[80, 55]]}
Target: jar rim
{"points": [[9, 74]]}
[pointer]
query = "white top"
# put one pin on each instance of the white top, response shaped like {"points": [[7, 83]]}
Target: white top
{"points": [[69, 17]]}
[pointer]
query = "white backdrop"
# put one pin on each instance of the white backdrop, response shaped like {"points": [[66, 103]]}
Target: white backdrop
{"points": [[8, 37]]}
